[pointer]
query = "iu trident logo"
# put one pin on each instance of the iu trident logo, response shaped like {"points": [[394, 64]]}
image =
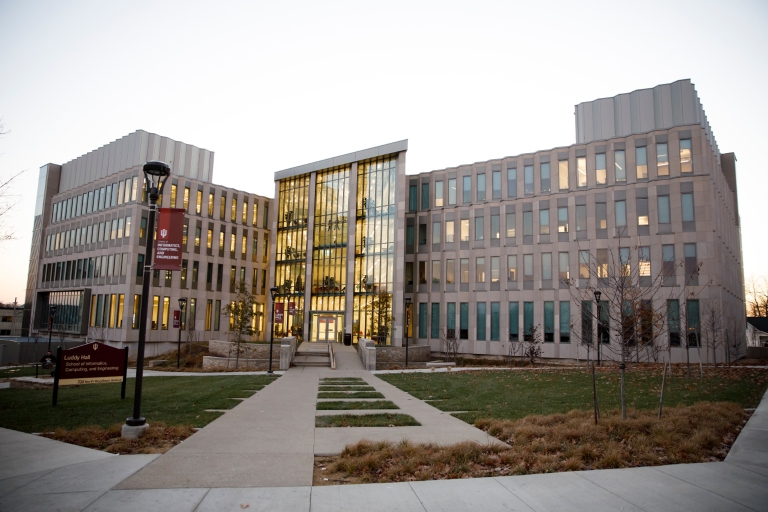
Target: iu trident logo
{"points": [[163, 233]]}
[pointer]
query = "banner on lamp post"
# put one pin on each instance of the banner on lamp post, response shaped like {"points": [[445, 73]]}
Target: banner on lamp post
{"points": [[291, 308], [170, 232], [176, 318], [279, 312]]}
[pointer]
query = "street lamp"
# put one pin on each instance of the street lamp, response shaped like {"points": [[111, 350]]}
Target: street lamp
{"points": [[182, 305], [598, 294], [52, 310], [155, 174], [407, 311], [273, 293]]}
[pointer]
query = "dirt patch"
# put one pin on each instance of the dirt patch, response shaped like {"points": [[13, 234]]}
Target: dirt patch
{"points": [[544, 444], [158, 438]]}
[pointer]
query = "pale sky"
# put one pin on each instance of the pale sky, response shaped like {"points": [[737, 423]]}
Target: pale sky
{"points": [[271, 85]]}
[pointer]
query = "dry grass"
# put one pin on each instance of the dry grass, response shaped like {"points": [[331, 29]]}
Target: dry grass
{"points": [[158, 438], [544, 444]]}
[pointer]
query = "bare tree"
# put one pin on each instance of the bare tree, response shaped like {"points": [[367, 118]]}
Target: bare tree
{"points": [[532, 344], [451, 344], [757, 296], [98, 333], [240, 312], [713, 330], [8, 199]]}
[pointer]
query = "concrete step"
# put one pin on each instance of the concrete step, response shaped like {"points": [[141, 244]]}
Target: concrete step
{"points": [[314, 360]]}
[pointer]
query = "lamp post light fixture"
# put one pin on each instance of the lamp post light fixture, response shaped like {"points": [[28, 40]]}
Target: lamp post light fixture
{"points": [[52, 311], [182, 305], [598, 294], [155, 175], [273, 292], [407, 315]]}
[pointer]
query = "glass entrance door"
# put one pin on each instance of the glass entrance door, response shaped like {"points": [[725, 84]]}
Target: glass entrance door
{"points": [[326, 327]]}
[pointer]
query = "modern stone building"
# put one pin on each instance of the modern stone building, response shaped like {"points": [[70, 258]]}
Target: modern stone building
{"points": [[90, 235]]}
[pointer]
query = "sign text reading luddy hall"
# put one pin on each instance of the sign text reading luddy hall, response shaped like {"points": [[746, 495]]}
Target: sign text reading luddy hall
{"points": [[90, 364], [170, 226]]}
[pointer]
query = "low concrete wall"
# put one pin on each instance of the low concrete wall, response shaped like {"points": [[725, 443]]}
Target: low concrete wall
{"points": [[366, 349], [212, 363], [287, 351], [396, 355], [223, 348], [757, 352]]}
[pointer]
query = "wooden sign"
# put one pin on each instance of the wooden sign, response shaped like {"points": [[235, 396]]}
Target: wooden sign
{"points": [[92, 363]]}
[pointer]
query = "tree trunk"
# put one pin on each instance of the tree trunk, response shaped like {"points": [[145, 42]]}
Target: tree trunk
{"points": [[687, 356], [237, 354], [663, 381], [701, 365]]}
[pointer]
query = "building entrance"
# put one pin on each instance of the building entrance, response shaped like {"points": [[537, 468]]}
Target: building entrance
{"points": [[327, 327]]}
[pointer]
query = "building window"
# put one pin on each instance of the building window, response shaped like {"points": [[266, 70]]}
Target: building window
{"points": [[217, 315], [691, 263], [527, 223], [436, 232], [662, 160], [452, 191], [510, 225], [466, 191], [422, 319], [222, 207], [621, 213], [624, 263], [451, 319], [464, 320], [586, 322], [450, 271], [480, 270], [512, 267], [546, 266], [641, 159], [425, 196], [583, 264], [528, 177], [673, 322], [512, 182], [465, 230], [436, 271], [601, 216], [600, 169], [155, 311], [409, 272], [562, 168], [480, 319], [410, 235], [687, 207], [663, 202], [686, 163], [668, 260], [495, 227], [644, 260], [166, 312], [422, 272], [549, 321], [422, 234], [199, 205], [210, 204], [514, 321], [435, 321], [481, 187], [449, 235], [581, 218], [564, 266], [496, 184], [545, 177], [528, 321], [438, 194], [692, 325], [619, 166], [581, 172], [464, 270], [544, 222], [565, 322], [494, 269], [528, 267], [562, 219], [412, 198], [495, 313], [185, 203], [254, 213], [602, 263], [642, 211], [208, 313]]}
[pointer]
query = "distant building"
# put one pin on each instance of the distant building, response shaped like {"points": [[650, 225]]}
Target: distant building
{"points": [[757, 331], [10, 321]]}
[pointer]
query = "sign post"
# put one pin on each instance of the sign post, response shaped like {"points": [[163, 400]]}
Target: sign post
{"points": [[92, 363]]}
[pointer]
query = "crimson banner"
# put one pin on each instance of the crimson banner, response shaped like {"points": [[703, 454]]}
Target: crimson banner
{"points": [[170, 232], [279, 312], [176, 318], [291, 308]]}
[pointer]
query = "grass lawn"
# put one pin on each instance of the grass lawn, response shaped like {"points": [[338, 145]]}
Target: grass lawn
{"points": [[516, 394], [21, 371], [366, 420], [346, 388], [350, 394], [347, 405], [342, 380], [172, 400]]}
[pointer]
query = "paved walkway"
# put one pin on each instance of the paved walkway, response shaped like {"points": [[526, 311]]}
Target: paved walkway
{"points": [[259, 455]]}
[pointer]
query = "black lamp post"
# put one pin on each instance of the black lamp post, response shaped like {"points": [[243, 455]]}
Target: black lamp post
{"points": [[273, 293], [155, 174], [182, 305], [52, 311], [598, 294], [407, 311]]}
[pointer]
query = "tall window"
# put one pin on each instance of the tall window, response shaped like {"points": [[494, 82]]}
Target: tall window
{"points": [[600, 169], [663, 202], [436, 232], [512, 182], [546, 266], [619, 165], [642, 211], [438, 194], [222, 207], [481, 187], [545, 178], [514, 321], [425, 196], [527, 320], [564, 266], [422, 234], [480, 269], [621, 213], [510, 225], [464, 270], [233, 210], [464, 320], [450, 270], [528, 267], [668, 260], [601, 216], [413, 199], [495, 313], [662, 160], [527, 223], [480, 321], [479, 228], [435, 321], [136, 311], [496, 184], [422, 272], [692, 325], [185, 204], [549, 321], [562, 219], [449, 234], [544, 222], [465, 230], [602, 263], [466, 192], [562, 171], [436, 271], [687, 207], [583, 264], [644, 260], [565, 322], [422, 319], [673, 322], [173, 196], [512, 267], [691, 263], [155, 311], [494, 269], [452, 191], [686, 163], [495, 227], [528, 177], [586, 322], [451, 319], [625, 264], [581, 172], [581, 217], [199, 204], [210, 204], [641, 159]]}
